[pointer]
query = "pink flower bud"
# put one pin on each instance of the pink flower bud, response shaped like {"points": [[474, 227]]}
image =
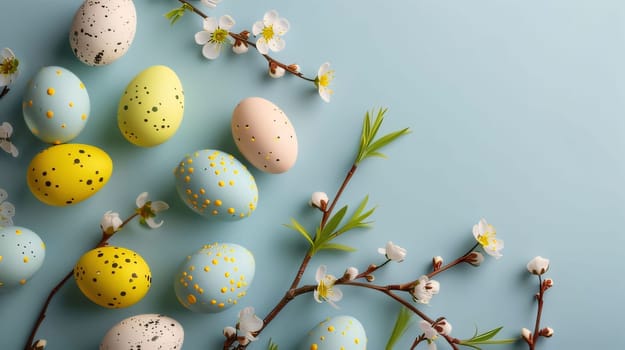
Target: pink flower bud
{"points": [[437, 262], [351, 273], [547, 283], [474, 258], [546, 332]]}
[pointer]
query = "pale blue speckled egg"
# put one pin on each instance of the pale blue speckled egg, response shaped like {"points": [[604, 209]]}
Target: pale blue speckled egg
{"points": [[215, 184], [340, 332], [56, 105], [214, 278], [21, 254]]}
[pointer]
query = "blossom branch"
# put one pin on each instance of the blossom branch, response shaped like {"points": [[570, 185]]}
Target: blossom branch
{"points": [[538, 266]]}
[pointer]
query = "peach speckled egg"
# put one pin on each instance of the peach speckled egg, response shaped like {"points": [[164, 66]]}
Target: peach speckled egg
{"points": [[151, 108], [113, 277], [264, 135], [68, 173]]}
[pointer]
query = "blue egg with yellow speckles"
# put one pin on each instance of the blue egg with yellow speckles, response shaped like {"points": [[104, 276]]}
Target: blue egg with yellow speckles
{"points": [[56, 105], [214, 278], [339, 332], [22, 253], [215, 184]]}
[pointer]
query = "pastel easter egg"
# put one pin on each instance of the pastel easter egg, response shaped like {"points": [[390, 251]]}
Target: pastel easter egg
{"points": [[264, 135], [68, 173], [56, 105], [214, 278], [151, 108], [145, 332], [215, 184], [340, 332], [103, 30], [22, 253], [113, 277]]}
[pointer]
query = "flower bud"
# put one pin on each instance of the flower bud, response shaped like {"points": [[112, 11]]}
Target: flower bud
{"points": [[547, 283], [230, 332], [239, 47], [40, 344], [351, 273], [370, 278], [110, 223], [546, 332], [538, 265], [275, 71], [527, 335], [319, 200], [474, 258], [437, 262], [293, 68], [443, 327]]}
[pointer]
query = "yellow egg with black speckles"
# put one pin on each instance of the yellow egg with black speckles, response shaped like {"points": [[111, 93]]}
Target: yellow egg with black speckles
{"points": [[69, 173], [151, 108], [113, 277]]}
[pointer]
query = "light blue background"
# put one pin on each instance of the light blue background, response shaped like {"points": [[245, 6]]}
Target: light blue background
{"points": [[517, 115]]}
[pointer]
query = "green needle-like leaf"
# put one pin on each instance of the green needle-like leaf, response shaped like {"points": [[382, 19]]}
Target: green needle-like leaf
{"points": [[296, 226], [272, 345], [369, 145], [337, 246], [403, 321], [486, 338]]}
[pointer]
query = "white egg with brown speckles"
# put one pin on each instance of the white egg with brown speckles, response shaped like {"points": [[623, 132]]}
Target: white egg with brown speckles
{"points": [[103, 30], [214, 278], [144, 332]]}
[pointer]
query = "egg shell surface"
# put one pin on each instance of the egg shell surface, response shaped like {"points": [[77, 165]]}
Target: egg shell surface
{"points": [[145, 332], [264, 135], [337, 333], [103, 30], [151, 108], [113, 277], [22, 253], [215, 184], [56, 105], [68, 174], [214, 278]]}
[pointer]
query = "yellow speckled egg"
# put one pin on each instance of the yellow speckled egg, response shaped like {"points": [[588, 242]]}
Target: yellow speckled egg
{"points": [[151, 108], [113, 277], [264, 135], [214, 278], [68, 173]]}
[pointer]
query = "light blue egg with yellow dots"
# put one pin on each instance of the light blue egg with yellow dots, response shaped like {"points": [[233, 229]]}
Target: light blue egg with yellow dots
{"points": [[215, 184], [56, 105], [340, 332], [214, 278], [22, 253]]}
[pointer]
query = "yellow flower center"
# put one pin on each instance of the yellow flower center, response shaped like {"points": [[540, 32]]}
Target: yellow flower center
{"points": [[323, 290], [9, 65], [219, 35], [483, 240], [268, 33], [325, 79]]}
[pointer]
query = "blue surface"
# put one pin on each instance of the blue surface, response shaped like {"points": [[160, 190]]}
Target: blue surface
{"points": [[516, 110]]}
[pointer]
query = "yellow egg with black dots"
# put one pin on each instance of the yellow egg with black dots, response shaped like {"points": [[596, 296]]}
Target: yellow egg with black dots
{"points": [[214, 278], [113, 277], [68, 174]]}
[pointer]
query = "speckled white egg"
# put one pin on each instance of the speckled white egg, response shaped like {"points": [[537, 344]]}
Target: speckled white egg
{"points": [[152, 106], [340, 332], [215, 184], [144, 332], [214, 278], [103, 30], [56, 105], [21, 254], [264, 135]]}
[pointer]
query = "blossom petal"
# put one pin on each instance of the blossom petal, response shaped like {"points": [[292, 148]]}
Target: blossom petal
{"points": [[153, 224], [211, 50], [226, 22], [431, 345], [281, 26], [270, 17], [325, 93], [210, 24], [336, 295], [277, 44], [142, 199], [321, 273], [261, 46], [158, 206], [6, 53], [5, 79], [202, 37], [325, 68], [257, 28], [6, 130], [316, 296]]}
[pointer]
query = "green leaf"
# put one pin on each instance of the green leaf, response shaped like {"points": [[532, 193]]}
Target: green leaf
{"points": [[301, 230], [402, 322], [333, 223], [369, 146], [486, 338], [337, 246], [358, 218], [174, 15], [272, 345]]}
